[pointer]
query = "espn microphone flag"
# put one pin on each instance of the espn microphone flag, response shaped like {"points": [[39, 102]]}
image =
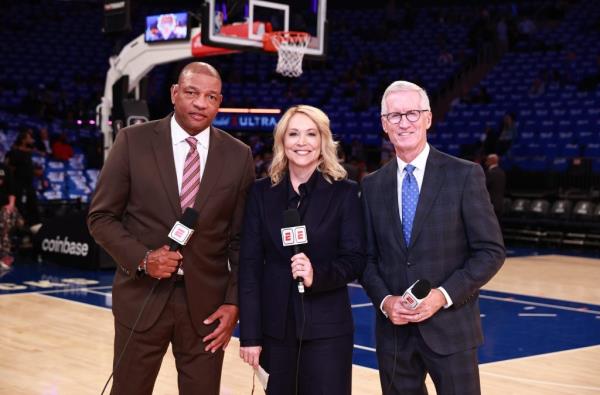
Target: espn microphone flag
{"points": [[183, 230], [415, 293], [293, 234]]}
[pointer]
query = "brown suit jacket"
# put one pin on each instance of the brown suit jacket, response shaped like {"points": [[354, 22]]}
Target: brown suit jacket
{"points": [[136, 203]]}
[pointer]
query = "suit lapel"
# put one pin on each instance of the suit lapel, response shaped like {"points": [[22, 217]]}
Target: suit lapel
{"points": [[319, 203], [213, 168], [435, 173], [163, 151], [275, 203], [389, 189]]}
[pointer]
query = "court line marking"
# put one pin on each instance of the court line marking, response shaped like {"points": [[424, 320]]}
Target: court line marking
{"points": [[518, 379], [570, 350], [48, 294], [65, 300], [91, 291], [519, 301], [537, 315], [52, 291], [551, 306], [94, 290], [542, 382], [357, 346]]}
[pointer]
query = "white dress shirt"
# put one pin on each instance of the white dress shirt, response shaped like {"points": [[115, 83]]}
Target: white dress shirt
{"points": [[420, 162]]}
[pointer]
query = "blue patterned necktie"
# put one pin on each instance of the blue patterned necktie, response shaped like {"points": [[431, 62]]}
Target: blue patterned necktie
{"points": [[410, 198]]}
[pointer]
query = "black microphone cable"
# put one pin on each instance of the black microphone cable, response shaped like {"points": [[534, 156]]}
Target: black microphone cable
{"points": [[130, 335], [291, 219], [300, 286], [300, 340]]}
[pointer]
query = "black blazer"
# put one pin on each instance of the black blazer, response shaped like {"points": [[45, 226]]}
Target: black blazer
{"points": [[335, 248], [455, 243]]}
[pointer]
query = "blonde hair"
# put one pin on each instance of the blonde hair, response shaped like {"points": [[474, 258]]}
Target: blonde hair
{"points": [[328, 162]]}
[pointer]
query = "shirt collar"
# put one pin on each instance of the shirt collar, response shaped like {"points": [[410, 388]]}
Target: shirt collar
{"points": [[178, 134], [419, 162], [305, 188]]}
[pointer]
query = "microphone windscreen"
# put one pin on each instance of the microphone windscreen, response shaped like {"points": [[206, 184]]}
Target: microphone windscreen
{"points": [[421, 289], [189, 218], [291, 217]]}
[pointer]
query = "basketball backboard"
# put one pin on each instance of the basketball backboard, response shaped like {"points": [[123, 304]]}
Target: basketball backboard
{"points": [[241, 24]]}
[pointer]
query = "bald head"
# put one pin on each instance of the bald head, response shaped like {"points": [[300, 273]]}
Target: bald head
{"points": [[492, 159], [198, 68]]}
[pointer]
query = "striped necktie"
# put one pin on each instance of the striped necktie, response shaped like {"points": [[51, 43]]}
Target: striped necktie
{"points": [[191, 175]]}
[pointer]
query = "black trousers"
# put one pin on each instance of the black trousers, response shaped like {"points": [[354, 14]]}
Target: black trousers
{"points": [[325, 365], [27, 204], [454, 374]]}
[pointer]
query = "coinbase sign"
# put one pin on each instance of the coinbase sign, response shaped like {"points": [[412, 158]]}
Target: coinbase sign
{"points": [[65, 246], [65, 240]]}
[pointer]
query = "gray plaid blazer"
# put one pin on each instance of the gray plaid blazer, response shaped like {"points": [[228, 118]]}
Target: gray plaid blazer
{"points": [[456, 243]]}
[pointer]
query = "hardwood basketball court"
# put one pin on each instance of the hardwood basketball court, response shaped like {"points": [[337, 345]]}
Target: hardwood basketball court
{"points": [[58, 345]]}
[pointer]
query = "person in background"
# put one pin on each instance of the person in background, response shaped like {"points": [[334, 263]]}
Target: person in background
{"points": [[20, 165], [352, 170], [507, 134], [495, 182], [428, 217], [304, 341], [9, 217], [61, 148], [43, 146], [40, 182]]}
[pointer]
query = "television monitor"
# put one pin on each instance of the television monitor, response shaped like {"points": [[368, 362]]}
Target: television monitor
{"points": [[173, 26]]}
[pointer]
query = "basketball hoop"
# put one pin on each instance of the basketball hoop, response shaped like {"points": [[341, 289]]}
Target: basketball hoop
{"points": [[290, 47]]}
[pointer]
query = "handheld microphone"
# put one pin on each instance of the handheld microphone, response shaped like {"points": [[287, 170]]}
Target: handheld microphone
{"points": [[183, 229], [293, 234], [415, 294]]}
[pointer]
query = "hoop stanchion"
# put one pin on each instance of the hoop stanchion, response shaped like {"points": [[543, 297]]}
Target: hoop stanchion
{"points": [[290, 47]]}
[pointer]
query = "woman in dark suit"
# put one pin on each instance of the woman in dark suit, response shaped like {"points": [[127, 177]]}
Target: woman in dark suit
{"points": [[304, 341]]}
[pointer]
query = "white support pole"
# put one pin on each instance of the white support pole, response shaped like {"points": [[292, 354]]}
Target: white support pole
{"points": [[136, 60]]}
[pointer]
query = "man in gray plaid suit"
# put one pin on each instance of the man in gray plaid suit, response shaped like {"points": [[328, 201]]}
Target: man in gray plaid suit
{"points": [[428, 217]]}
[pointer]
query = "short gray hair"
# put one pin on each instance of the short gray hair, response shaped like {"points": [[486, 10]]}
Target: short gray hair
{"points": [[405, 86]]}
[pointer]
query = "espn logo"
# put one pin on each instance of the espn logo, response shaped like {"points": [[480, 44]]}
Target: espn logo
{"points": [[294, 235], [409, 299], [180, 233]]}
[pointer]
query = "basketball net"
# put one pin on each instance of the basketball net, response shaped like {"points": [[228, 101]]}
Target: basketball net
{"points": [[290, 47]]}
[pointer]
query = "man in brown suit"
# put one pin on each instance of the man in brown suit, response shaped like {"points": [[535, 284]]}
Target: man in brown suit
{"points": [[137, 201]]}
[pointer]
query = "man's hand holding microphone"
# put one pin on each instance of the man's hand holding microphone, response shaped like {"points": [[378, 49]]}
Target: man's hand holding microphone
{"points": [[162, 263], [418, 303]]}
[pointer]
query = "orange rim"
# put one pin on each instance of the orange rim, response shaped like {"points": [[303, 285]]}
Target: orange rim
{"points": [[284, 36]]}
